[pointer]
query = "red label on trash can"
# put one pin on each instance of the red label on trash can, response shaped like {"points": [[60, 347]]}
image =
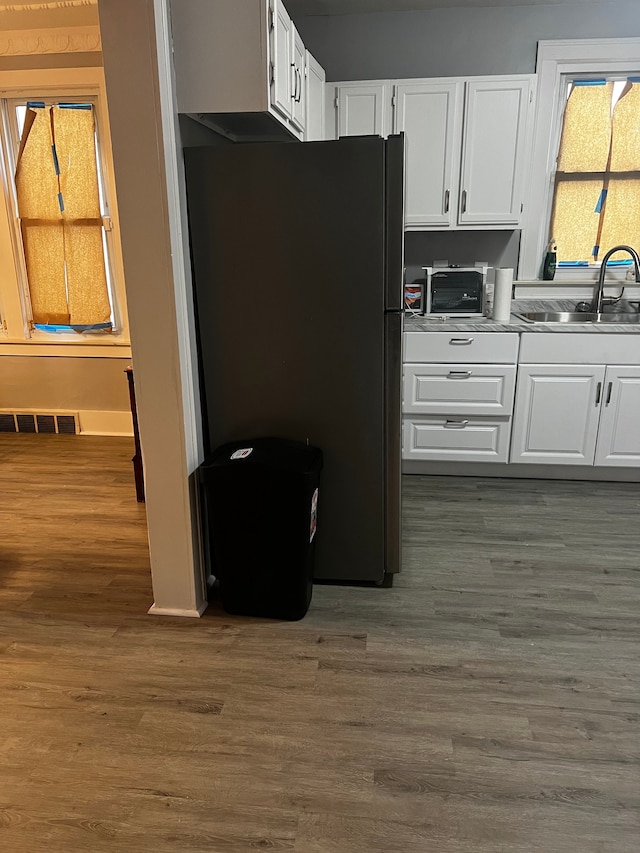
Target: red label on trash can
{"points": [[314, 516], [243, 453]]}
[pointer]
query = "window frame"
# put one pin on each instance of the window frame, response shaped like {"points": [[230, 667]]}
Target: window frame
{"points": [[557, 62], [16, 336]]}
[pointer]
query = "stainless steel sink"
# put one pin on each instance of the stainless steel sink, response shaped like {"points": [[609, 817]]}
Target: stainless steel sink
{"points": [[577, 317]]}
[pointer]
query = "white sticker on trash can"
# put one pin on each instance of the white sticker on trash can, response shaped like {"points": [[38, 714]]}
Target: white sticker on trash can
{"points": [[314, 516], [243, 453]]}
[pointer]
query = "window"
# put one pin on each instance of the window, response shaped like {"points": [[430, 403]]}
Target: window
{"points": [[560, 62], [59, 206], [596, 202], [107, 335]]}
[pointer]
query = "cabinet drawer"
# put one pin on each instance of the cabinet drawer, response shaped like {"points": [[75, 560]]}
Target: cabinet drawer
{"points": [[576, 348], [466, 389], [456, 439], [461, 347]]}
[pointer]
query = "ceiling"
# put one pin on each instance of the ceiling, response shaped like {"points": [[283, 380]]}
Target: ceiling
{"points": [[299, 8]]}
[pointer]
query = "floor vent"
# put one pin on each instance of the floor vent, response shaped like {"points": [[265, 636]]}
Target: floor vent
{"points": [[26, 423], [7, 423], [67, 424], [46, 423], [39, 423]]}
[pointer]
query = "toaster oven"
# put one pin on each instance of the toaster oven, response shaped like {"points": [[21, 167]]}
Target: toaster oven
{"points": [[455, 291]]}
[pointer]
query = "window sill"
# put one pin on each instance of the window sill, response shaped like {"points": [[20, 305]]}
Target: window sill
{"points": [[68, 348]]}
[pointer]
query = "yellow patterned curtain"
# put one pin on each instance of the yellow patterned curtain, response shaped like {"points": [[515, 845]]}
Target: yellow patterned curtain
{"points": [[597, 193], [61, 223]]}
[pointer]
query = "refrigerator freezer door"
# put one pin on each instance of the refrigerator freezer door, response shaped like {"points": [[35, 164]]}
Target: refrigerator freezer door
{"points": [[288, 251], [394, 236]]}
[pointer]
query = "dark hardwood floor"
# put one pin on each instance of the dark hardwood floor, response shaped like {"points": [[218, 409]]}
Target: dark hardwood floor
{"points": [[488, 702]]}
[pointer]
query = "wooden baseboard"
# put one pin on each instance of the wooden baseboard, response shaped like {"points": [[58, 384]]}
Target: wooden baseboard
{"points": [[105, 423], [524, 472], [196, 613]]}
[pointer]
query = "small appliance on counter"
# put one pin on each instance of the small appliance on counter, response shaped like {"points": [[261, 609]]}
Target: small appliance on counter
{"points": [[455, 290]]}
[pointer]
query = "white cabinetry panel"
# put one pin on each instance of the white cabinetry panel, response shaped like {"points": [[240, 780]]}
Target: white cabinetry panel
{"points": [[363, 109], [619, 430], [468, 389], [461, 347], [493, 152], [315, 122], [430, 116], [298, 68], [556, 414], [452, 439], [282, 74]]}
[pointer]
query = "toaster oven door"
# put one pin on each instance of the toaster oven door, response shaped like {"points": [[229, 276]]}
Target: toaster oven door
{"points": [[456, 292]]}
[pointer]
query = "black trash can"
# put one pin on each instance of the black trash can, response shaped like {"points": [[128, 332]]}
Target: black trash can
{"points": [[261, 500]]}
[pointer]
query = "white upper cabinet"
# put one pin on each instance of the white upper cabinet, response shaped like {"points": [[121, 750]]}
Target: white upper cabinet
{"points": [[619, 431], [467, 141], [430, 116], [314, 85], [298, 68], [494, 148], [362, 109], [234, 59], [282, 70]]}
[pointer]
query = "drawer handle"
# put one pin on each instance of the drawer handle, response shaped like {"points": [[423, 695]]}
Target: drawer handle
{"points": [[455, 424], [461, 342], [459, 374]]}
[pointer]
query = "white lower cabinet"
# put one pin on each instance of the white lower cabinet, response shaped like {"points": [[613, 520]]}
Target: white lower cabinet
{"points": [[576, 414], [456, 439], [458, 395], [556, 414], [619, 431], [467, 389]]}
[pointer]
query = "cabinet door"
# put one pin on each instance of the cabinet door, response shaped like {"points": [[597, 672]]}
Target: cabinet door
{"points": [[299, 97], [494, 149], [430, 114], [363, 109], [282, 72], [619, 430], [314, 124], [556, 414]]}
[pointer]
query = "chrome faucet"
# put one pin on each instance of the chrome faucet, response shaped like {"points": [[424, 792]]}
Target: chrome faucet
{"points": [[598, 293]]}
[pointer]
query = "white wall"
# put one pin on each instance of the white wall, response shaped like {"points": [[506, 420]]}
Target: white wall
{"points": [[457, 41], [156, 301]]}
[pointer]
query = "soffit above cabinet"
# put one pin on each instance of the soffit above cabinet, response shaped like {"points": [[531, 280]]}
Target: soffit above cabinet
{"points": [[299, 8]]}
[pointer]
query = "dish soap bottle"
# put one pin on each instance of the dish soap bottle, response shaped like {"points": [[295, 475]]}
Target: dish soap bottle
{"points": [[549, 266]]}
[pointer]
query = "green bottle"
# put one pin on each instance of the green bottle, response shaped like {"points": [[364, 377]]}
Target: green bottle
{"points": [[549, 266]]}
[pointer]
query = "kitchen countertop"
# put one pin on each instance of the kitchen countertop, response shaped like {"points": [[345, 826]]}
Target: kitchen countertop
{"points": [[515, 324]]}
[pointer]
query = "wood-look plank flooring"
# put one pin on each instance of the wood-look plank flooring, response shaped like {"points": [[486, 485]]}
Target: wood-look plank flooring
{"points": [[488, 702]]}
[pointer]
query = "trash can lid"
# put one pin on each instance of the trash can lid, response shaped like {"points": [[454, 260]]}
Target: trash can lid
{"points": [[281, 453]]}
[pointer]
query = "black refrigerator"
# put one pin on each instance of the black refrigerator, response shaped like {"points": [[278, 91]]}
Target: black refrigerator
{"points": [[297, 253]]}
